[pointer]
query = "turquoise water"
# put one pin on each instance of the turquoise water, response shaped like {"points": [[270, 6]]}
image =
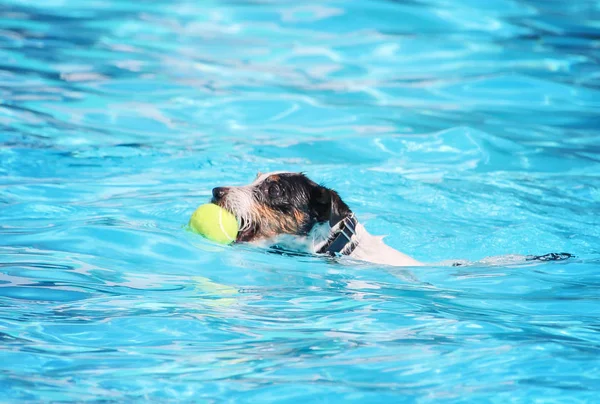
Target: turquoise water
{"points": [[462, 129]]}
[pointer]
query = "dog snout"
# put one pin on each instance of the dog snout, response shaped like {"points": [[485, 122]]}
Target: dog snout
{"points": [[219, 193]]}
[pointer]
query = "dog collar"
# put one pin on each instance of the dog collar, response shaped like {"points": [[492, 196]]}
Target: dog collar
{"points": [[341, 239]]}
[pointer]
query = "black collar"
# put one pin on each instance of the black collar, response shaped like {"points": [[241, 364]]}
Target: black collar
{"points": [[341, 239]]}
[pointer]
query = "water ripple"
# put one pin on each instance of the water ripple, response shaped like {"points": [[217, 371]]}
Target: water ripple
{"points": [[462, 130]]}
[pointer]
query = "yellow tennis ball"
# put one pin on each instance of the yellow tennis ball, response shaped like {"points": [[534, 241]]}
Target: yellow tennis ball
{"points": [[214, 223]]}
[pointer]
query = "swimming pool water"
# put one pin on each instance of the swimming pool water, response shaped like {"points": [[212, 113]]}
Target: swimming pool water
{"points": [[461, 129]]}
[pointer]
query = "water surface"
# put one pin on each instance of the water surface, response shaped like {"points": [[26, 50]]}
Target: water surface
{"points": [[460, 129]]}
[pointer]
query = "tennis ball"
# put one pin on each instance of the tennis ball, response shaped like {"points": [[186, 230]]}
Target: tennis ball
{"points": [[214, 223]]}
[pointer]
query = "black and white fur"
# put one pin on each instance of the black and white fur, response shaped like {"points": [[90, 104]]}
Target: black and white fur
{"points": [[290, 210]]}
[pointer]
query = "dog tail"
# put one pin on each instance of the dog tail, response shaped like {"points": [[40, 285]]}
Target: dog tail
{"points": [[516, 259], [550, 257]]}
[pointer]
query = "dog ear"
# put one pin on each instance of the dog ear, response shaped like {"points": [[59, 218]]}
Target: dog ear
{"points": [[320, 203], [328, 206]]}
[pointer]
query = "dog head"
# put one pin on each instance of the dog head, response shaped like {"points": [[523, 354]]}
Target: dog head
{"points": [[280, 203]]}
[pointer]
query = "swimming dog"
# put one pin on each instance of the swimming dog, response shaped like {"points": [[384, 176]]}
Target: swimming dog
{"points": [[289, 210]]}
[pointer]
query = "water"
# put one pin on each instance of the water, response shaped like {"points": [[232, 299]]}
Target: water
{"points": [[461, 129]]}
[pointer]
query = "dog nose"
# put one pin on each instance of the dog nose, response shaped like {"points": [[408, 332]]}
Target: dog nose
{"points": [[219, 192]]}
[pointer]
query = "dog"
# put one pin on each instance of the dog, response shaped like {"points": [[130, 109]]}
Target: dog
{"points": [[290, 210]]}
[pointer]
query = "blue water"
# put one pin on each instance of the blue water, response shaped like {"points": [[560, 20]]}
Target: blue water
{"points": [[462, 129]]}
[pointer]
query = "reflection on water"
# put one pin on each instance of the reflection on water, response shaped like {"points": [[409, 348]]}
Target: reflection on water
{"points": [[460, 129]]}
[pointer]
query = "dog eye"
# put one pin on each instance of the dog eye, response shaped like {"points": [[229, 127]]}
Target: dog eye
{"points": [[275, 191]]}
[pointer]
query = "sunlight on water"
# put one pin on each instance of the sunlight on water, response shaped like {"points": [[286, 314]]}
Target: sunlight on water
{"points": [[461, 130]]}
